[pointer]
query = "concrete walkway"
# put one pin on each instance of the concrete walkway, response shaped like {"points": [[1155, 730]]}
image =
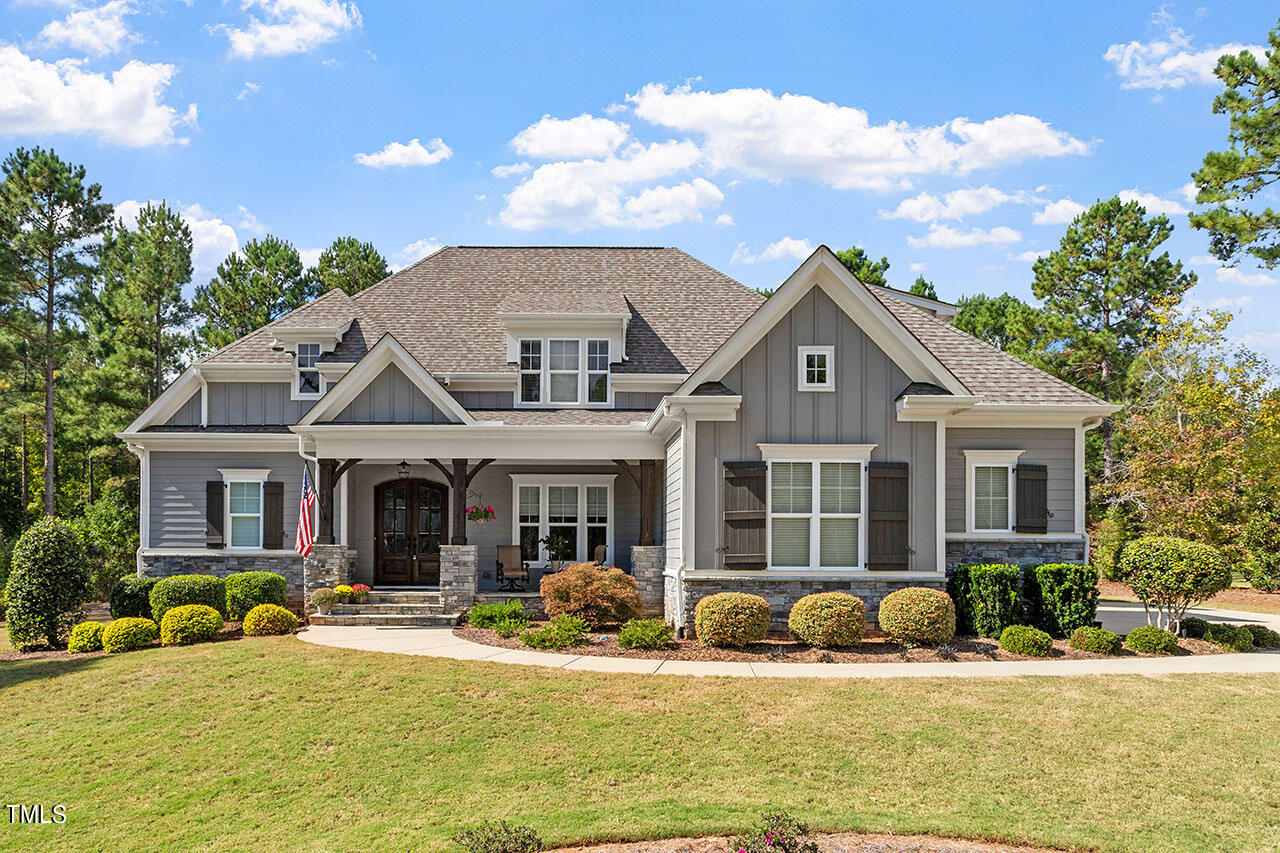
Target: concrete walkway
{"points": [[1117, 616]]}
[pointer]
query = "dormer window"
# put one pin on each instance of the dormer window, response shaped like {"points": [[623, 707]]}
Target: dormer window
{"points": [[563, 364], [598, 371], [564, 371], [308, 382]]}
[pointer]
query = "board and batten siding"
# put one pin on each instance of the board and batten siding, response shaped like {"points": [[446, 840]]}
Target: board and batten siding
{"points": [[861, 410], [391, 398], [243, 404], [673, 490], [1053, 448]]}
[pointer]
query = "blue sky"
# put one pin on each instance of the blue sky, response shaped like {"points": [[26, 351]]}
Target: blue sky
{"points": [[956, 139]]}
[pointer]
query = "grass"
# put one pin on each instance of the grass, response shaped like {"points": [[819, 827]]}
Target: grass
{"points": [[272, 744]]}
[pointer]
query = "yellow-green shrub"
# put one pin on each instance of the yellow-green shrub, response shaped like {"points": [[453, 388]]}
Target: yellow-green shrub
{"points": [[86, 637], [828, 619], [129, 633], [917, 615], [189, 623], [731, 619], [267, 619]]}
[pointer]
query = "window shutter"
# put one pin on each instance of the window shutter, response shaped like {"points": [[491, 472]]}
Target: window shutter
{"points": [[1032, 493], [213, 514], [272, 515], [888, 502], [744, 515]]}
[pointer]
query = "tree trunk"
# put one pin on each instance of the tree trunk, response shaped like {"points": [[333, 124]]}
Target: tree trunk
{"points": [[1108, 432], [50, 473], [155, 385], [25, 487]]}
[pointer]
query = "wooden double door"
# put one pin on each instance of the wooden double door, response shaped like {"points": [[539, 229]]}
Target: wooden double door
{"points": [[409, 520]]}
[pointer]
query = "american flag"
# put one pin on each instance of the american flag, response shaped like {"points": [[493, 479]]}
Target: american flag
{"points": [[303, 543]]}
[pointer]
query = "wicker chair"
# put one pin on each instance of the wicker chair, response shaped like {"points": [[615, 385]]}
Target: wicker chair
{"points": [[513, 569]]}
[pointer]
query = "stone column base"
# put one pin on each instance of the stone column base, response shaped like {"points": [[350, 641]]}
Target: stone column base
{"points": [[647, 563], [326, 565], [458, 567]]}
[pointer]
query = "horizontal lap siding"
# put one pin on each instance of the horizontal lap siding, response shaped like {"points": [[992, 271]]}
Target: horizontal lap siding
{"points": [[674, 492], [1054, 448], [391, 398]]}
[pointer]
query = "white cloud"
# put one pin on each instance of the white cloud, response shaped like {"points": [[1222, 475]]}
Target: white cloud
{"points": [[1204, 261], [1190, 191], [1153, 203], [1231, 275], [724, 219], [570, 139], [416, 251], [1170, 62], [290, 26], [509, 170], [212, 239], [1261, 340], [97, 32], [310, 257], [1058, 212], [956, 204], [1028, 257], [412, 154], [916, 266], [125, 108], [578, 194], [249, 89], [775, 137], [946, 237], [249, 222], [1221, 303], [787, 248]]}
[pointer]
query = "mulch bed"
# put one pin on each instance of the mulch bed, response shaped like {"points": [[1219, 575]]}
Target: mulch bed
{"points": [[843, 842], [875, 649]]}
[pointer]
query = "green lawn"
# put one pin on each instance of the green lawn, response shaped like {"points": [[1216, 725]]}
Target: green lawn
{"points": [[273, 744]]}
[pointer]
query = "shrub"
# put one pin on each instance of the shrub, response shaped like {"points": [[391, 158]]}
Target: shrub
{"points": [[47, 584], [489, 615], [1194, 626], [131, 596], [499, 837], [246, 590], [86, 637], [1152, 640], [731, 619], [917, 615], [776, 833], [1026, 640], [1097, 640], [1264, 637], [109, 528], [1108, 538], [1237, 638], [987, 598], [268, 619], [178, 590], [562, 632], [828, 619], [188, 624], [6, 560], [513, 627], [1062, 597], [598, 595], [1173, 574], [129, 633], [1261, 540], [645, 634]]}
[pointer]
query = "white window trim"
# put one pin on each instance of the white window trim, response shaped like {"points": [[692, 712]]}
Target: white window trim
{"points": [[242, 475], [860, 453], [801, 379], [294, 393], [579, 481], [988, 459], [544, 400]]}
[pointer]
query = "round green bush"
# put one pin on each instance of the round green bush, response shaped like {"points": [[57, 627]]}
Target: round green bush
{"points": [[1237, 638], [828, 620], [1149, 639], [1194, 626], [1025, 640], [246, 590], [645, 634], [187, 624], [48, 581], [129, 633], [917, 615], [86, 637], [1097, 640], [731, 619], [178, 590], [1264, 637], [1172, 574], [268, 619], [131, 596]]}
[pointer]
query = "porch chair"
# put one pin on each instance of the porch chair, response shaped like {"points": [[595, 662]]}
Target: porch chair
{"points": [[512, 567], [599, 554]]}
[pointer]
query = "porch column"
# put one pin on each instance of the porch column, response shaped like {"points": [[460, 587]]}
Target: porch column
{"points": [[325, 480], [648, 469], [459, 478]]}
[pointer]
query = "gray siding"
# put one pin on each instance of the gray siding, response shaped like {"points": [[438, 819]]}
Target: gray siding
{"points": [[673, 492], [391, 398], [249, 404], [1054, 448], [485, 399], [637, 399], [189, 414], [859, 411]]}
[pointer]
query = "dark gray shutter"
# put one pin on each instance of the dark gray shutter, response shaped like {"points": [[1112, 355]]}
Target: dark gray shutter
{"points": [[744, 515], [1032, 493], [272, 515], [888, 503], [213, 514]]}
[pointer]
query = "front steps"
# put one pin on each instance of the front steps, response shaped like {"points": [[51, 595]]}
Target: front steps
{"points": [[410, 608]]}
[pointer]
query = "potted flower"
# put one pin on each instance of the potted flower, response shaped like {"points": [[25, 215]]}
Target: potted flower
{"points": [[343, 593], [480, 514], [360, 592], [558, 549], [323, 598]]}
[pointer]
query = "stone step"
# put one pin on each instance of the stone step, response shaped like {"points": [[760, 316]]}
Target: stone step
{"points": [[389, 620], [407, 609], [404, 597]]}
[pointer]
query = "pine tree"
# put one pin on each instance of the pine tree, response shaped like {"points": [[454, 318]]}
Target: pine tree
{"points": [[921, 287], [351, 265], [861, 265], [252, 287]]}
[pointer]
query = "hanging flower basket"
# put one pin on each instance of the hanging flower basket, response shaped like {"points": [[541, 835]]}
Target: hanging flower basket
{"points": [[480, 514]]}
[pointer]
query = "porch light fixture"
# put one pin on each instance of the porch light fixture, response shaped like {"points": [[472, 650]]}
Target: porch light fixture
{"points": [[403, 468]]}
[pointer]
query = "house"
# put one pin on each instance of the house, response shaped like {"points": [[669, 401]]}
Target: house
{"points": [[833, 436]]}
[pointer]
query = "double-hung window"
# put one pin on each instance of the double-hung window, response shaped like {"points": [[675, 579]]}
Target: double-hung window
{"points": [[598, 371], [990, 482], [816, 514], [575, 509], [244, 506], [308, 382], [531, 371], [529, 521], [563, 365], [564, 371]]}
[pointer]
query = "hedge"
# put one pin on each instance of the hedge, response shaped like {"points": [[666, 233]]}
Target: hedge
{"points": [[1097, 640], [86, 637], [177, 590], [131, 596], [188, 624], [1061, 597], [1237, 638], [988, 598], [246, 590], [1152, 640], [1025, 640]]}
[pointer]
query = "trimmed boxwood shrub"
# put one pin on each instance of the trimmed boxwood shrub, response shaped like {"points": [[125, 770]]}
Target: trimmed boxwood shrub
{"points": [[513, 627], [129, 633], [562, 632], [246, 590], [1173, 574], [1025, 640], [188, 589], [489, 615], [187, 624], [731, 619], [1061, 597], [86, 637], [645, 634], [268, 619], [1152, 640], [1194, 626], [131, 596], [597, 595], [828, 620], [47, 584], [1264, 637], [988, 598], [1237, 638], [917, 615], [1097, 640]]}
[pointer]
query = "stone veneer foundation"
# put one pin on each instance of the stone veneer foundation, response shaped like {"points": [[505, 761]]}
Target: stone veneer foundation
{"points": [[327, 565], [458, 565], [647, 562], [962, 552], [224, 563]]}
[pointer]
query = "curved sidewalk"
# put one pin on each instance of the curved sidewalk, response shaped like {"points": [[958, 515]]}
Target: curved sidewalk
{"points": [[441, 643]]}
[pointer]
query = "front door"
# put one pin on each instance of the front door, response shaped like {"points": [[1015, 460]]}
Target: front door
{"points": [[410, 518]]}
